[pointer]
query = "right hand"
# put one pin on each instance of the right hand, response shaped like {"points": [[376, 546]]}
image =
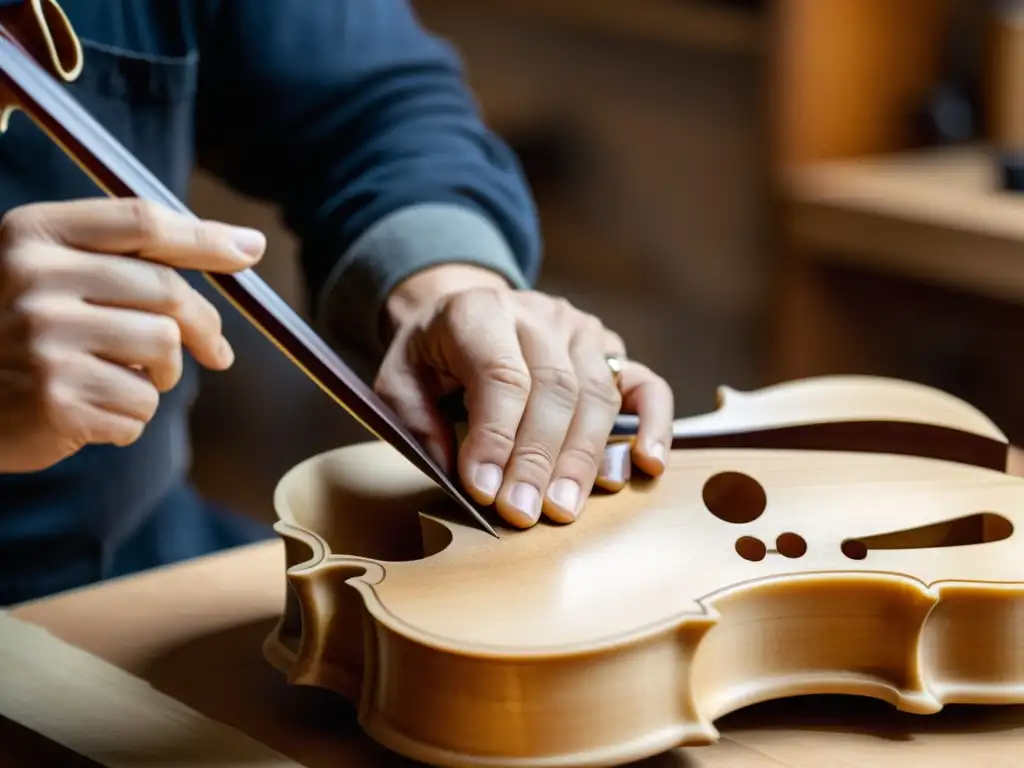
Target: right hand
{"points": [[93, 319]]}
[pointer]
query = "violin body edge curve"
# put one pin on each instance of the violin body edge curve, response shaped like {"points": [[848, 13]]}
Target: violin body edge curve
{"points": [[911, 638], [403, 620]]}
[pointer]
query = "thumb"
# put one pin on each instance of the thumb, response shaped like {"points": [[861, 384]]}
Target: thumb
{"points": [[413, 395]]}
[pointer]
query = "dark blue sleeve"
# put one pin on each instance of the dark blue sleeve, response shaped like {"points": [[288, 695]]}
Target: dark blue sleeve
{"points": [[358, 122]]}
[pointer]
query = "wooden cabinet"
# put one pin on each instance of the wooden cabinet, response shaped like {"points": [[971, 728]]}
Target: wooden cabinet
{"points": [[893, 258]]}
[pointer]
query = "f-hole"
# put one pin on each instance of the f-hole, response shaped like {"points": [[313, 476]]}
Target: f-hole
{"points": [[980, 528]]}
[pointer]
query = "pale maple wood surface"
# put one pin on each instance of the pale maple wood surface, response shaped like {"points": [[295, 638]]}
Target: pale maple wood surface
{"points": [[195, 632], [828, 399], [642, 558], [670, 605]]}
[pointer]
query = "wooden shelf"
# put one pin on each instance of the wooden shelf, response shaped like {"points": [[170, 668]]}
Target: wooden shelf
{"points": [[684, 23], [935, 216]]}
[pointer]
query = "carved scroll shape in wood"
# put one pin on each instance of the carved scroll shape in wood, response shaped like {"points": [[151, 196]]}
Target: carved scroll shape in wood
{"points": [[853, 413], [741, 575]]}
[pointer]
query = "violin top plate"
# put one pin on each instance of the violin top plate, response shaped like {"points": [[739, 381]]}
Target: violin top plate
{"points": [[656, 553]]}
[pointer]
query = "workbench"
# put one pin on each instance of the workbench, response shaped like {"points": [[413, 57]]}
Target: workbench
{"points": [[194, 632]]}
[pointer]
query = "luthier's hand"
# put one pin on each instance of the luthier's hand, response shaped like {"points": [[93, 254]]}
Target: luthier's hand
{"points": [[540, 395], [93, 319]]}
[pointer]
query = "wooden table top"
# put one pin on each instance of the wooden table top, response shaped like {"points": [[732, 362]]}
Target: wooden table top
{"points": [[935, 215], [194, 631]]}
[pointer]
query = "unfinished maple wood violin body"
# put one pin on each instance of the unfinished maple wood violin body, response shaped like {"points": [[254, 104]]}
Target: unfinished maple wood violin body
{"points": [[743, 574]]}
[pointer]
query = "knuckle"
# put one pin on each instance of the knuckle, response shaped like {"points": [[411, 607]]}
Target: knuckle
{"points": [[614, 339], [510, 374], [593, 326], [460, 309], [45, 365], [534, 460], [17, 221], [535, 299], [497, 436], [149, 401], [585, 454], [602, 391], [164, 378], [466, 309], [174, 378], [127, 431], [58, 406], [211, 317], [559, 383], [170, 287], [166, 337], [656, 383], [147, 219], [35, 319], [21, 271], [643, 372], [491, 296], [207, 236]]}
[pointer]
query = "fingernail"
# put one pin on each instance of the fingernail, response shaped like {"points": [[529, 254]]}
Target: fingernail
{"points": [[657, 452], [251, 242], [226, 353], [526, 500], [617, 467], [565, 494], [487, 479]]}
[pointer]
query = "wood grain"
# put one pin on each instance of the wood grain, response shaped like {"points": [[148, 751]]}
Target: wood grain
{"points": [[740, 576], [107, 715], [193, 631]]}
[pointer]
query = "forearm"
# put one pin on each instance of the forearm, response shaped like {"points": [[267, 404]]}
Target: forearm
{"points": [[373, 147], [411, 258]]}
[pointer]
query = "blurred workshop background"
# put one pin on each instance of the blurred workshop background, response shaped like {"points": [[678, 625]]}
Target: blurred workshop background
{"points": [[748, 191]]}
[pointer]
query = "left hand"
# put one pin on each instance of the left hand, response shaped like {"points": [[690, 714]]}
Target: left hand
{"points": [[540, 395]]}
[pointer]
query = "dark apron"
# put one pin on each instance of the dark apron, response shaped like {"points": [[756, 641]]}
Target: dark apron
{"points": [[109, 511]]}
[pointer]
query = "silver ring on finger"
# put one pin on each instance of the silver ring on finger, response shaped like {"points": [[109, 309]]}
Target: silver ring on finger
{"points": [[615, 365]]}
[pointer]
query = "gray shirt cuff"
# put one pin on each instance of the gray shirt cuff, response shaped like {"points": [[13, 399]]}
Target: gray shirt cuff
{"points": [[406, 241]]}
